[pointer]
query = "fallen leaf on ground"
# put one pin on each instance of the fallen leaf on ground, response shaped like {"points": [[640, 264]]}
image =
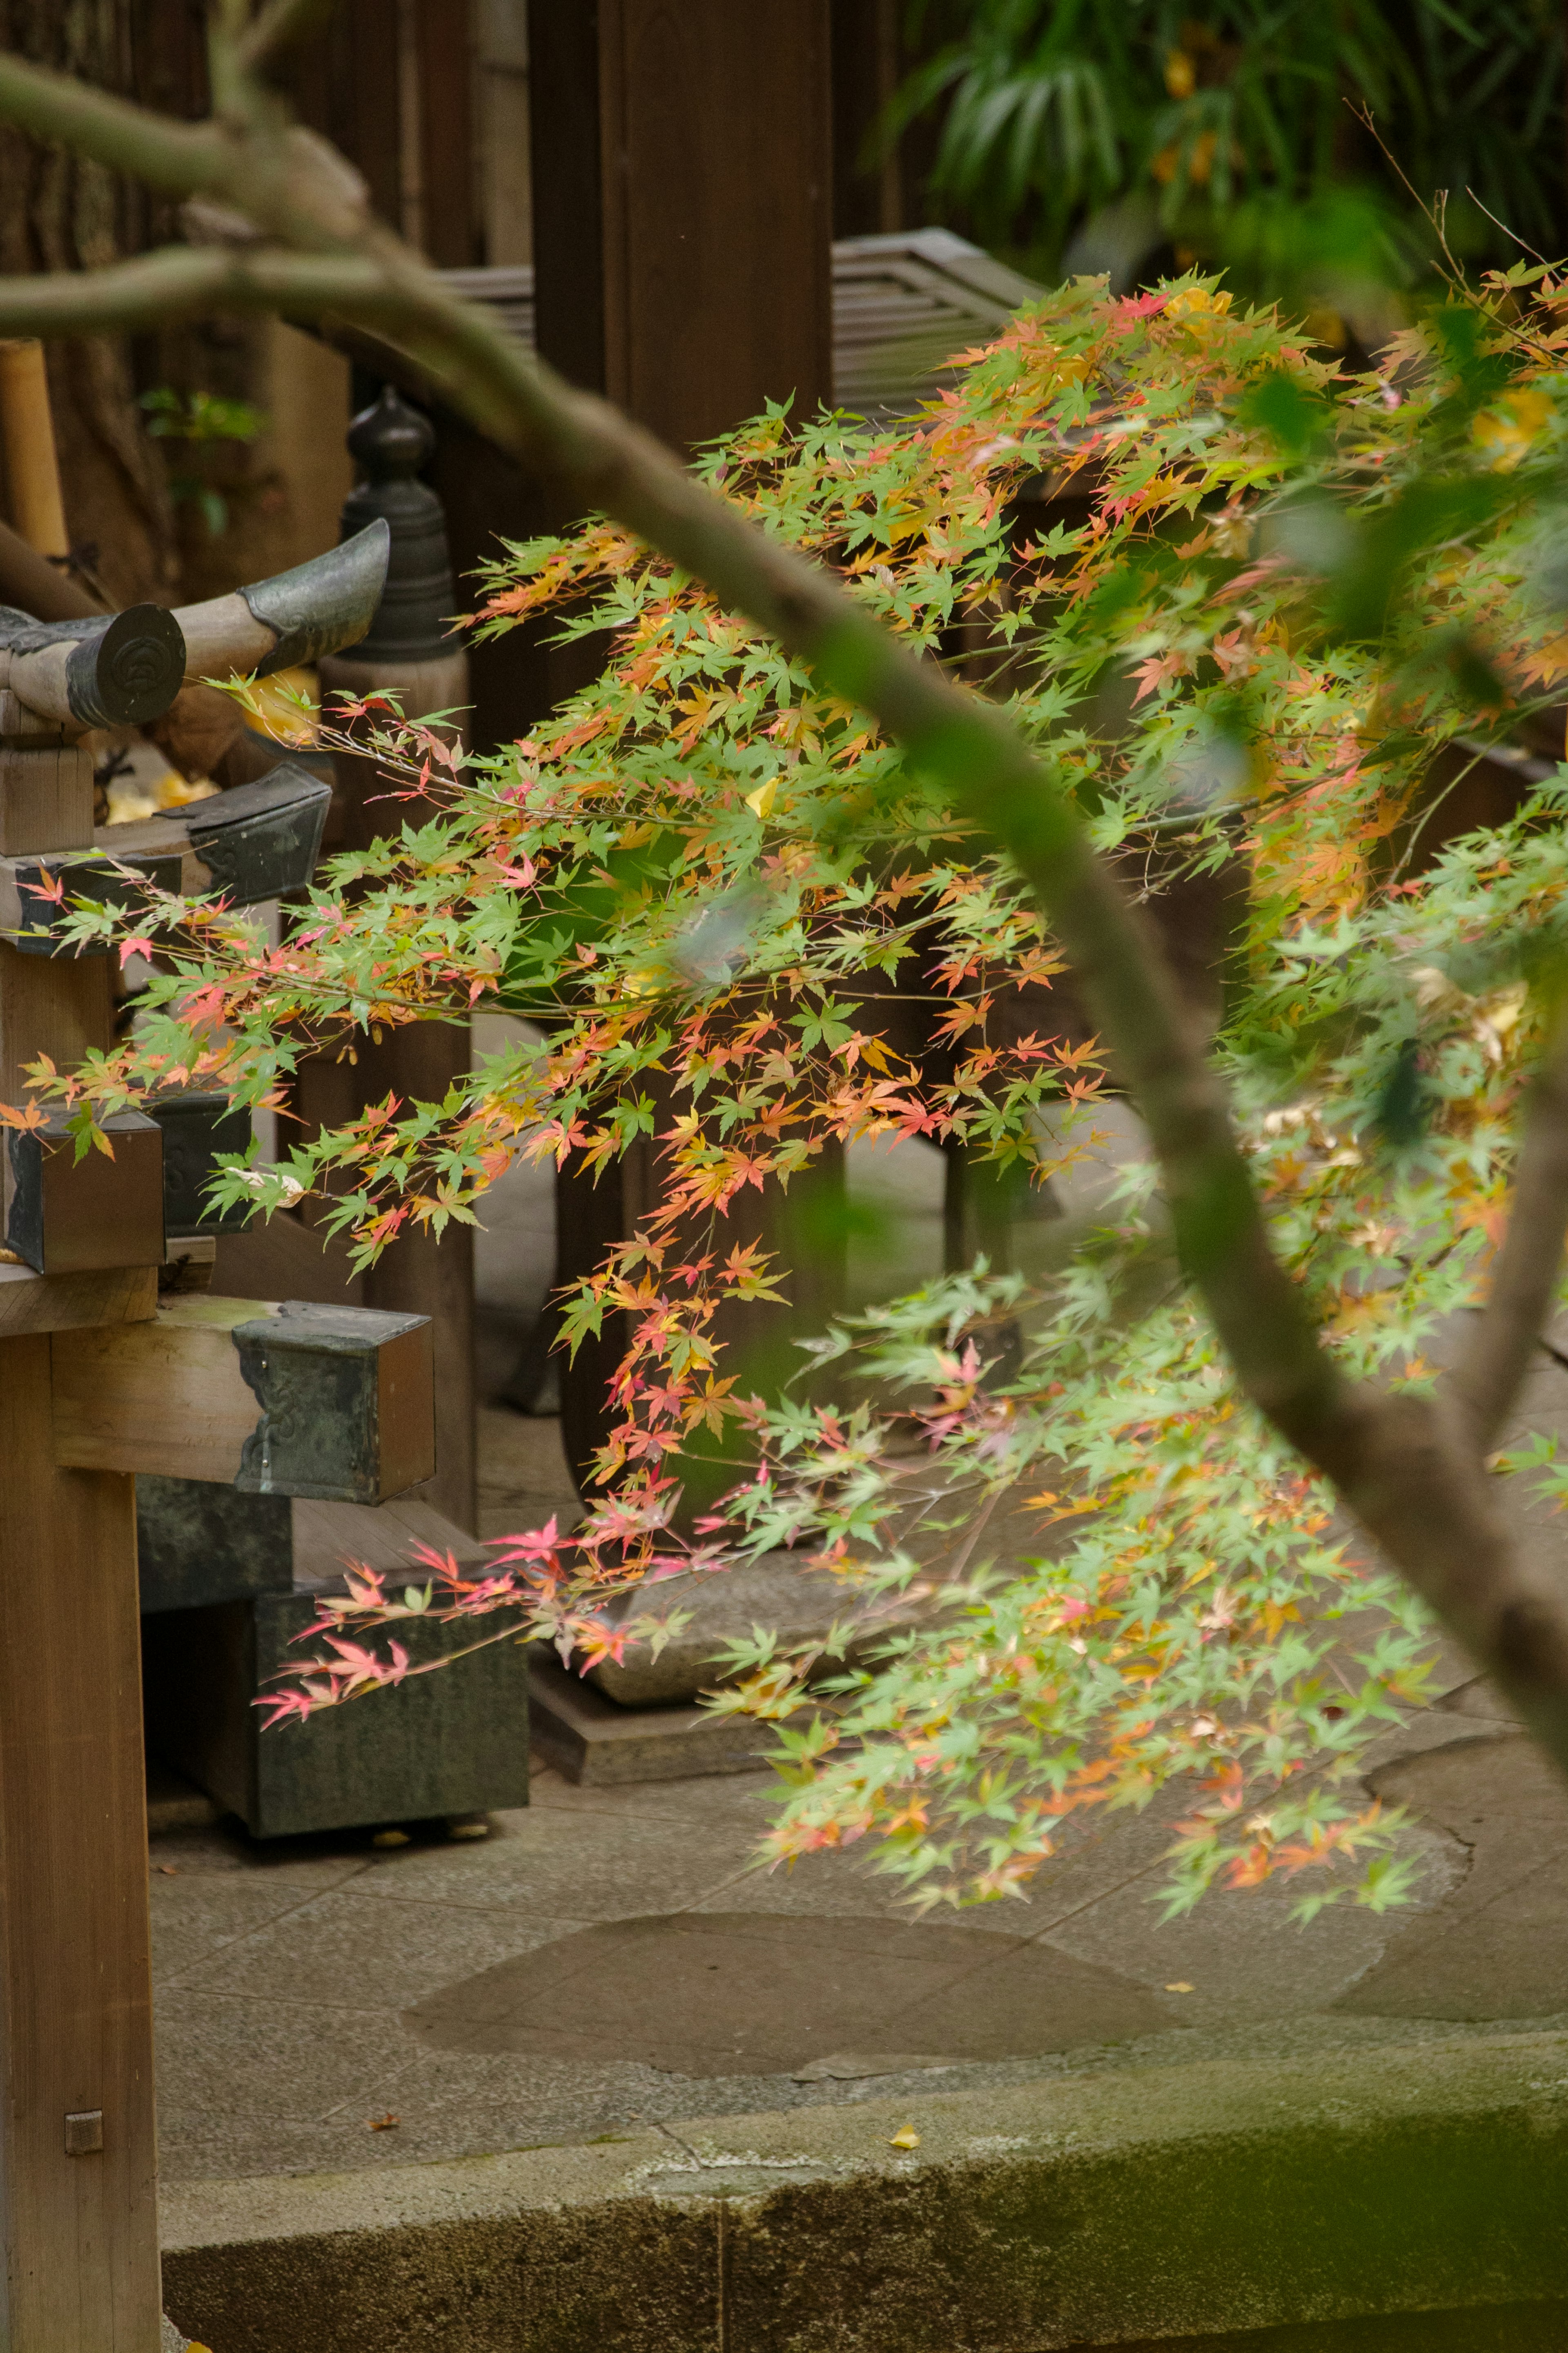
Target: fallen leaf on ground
{"points": [[382, 2124], [1181, 1986], [390, 1838], [907, 2138], [170, 1870]]}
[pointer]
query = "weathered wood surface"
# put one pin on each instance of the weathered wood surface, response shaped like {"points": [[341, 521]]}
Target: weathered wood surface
{"points": [[59, 1303], [46, 785], [80, 2273], [326, 1401]]}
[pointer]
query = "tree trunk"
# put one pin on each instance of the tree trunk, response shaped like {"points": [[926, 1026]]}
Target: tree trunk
{"points": [[62, 213]]}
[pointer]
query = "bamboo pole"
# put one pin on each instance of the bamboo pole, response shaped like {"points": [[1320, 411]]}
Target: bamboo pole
{"points": [[32, 463]]}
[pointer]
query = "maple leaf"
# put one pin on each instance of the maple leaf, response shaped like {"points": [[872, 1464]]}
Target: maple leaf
{"points": [[1159, 668]]}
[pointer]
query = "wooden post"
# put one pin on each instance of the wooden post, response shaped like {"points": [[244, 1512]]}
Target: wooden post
{"points": [[79, 2218], [682, 205], [682, 210], [409, 652], [78, 2243]]}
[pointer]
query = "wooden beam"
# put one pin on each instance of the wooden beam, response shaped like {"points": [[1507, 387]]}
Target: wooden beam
{"points": [[59, 1303], [79, 2249], [331, 1402]]}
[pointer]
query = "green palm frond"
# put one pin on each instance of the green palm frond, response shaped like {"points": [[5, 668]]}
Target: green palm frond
{"points": [[1053, 108]]}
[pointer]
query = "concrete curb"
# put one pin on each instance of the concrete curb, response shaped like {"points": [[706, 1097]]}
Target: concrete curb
{"points": [[1141, 2203]]}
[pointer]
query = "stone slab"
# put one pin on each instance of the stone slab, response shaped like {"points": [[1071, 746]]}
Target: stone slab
{"points": [[440, 1745], [1410, 2180], [595, 1743]]}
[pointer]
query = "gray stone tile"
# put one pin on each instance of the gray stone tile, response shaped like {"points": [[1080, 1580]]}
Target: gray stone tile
{"points": [[194, 1919], [839, 1882], [577, 1867], [310, 1865], [1498, 1947], [523, 1479], [1242, 1954], [349, 1950], [241, 2062], [1105, 1853]]}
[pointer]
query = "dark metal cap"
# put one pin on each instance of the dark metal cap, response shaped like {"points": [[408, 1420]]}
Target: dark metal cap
{"points": [[390, 442]]}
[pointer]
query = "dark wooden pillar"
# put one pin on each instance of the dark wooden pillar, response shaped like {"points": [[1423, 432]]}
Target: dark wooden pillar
{"points": [[79, 2239], [682, 205], [682, 210]]}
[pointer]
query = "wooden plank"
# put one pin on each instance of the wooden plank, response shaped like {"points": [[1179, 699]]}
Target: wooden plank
{"points": [[165, 1396], [61, 1302], [332, 1402], [45, 795], [79, 2270]]}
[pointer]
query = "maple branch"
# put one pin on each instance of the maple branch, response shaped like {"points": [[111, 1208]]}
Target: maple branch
{"points": [[184, 158], [1497, 1356], [1408, 1468]]}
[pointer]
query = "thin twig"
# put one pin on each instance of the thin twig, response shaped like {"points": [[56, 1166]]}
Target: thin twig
{"points": [[1522, 243]]}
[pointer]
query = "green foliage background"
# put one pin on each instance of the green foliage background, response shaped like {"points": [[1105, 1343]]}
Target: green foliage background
{"points": [[1225, 127]]}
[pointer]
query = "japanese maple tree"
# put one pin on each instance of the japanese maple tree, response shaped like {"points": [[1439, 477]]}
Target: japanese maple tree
{"points": [[709, 873]]}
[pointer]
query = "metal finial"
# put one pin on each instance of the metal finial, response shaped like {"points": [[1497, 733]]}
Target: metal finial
{"points": [[389, 440]]}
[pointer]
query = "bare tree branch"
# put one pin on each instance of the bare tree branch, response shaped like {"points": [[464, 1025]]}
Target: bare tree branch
{"points": [[180, 156], [1492, 1367], [1410, 1470]]}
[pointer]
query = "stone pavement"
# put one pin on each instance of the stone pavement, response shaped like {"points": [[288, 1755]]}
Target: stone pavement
{"points": [[612, 1960], [610, 1964]]}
